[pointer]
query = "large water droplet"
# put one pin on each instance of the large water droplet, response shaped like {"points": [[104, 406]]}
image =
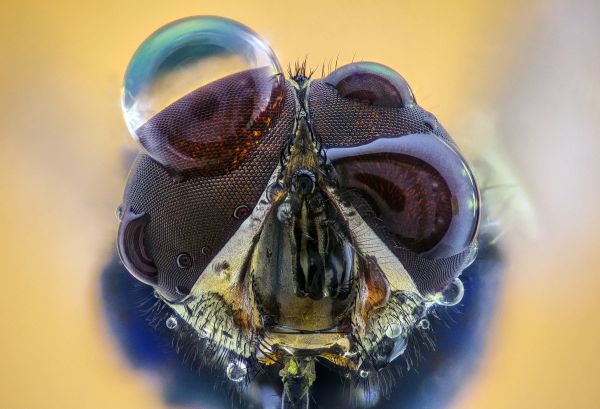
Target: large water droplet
{"points": [[236, 371], [171, 322], [200, 92], [452, 294], [393, 331]]}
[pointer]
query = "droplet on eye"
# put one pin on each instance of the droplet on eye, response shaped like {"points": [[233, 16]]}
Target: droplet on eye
{"points": [[418, 187], [236, 371], [200, 94], [371, 83], [171, 322], [451, 295], [424, 324]]}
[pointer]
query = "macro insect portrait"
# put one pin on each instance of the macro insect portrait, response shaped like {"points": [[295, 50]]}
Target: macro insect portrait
{"points": [[329, 204], [285, 223]]}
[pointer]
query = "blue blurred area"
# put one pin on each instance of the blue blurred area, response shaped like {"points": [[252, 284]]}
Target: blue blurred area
{"points": [[459, 334]]}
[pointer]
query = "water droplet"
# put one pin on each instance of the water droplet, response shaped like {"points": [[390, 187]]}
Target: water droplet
{"points": [[363, 373], [171, 322], [472, 256], [452, 294], [241, 212], [284, 212], [203, 333], [424, 324], [274, 191], [200, 74], [184, 260], [236, 371], [399, 347], [393, 331], [119, 212]]}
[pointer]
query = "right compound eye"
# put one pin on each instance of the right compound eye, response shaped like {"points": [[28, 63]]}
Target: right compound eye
{"points": [[201, 93]]}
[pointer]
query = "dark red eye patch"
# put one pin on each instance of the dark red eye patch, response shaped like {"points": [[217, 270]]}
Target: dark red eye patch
{"points": [[211, 130]]}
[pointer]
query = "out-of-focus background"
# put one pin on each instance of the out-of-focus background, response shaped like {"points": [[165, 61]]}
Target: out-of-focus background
{"points": [[509, 79]]}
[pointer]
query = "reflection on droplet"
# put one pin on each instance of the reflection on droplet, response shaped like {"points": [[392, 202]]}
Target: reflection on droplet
{"points": [[119, 212], [241, 212], [284, 212], [236, 371], [472, 256], [393, 331], [424, 324], [452, 295], [203, 333], [399, 347], [363, 373], [171, 322], [201, 92]]}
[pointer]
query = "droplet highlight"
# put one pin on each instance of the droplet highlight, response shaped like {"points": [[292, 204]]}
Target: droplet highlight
{"points": [[171, 322], [393, 331], [236, 371], [451, 295], [424, 324]]}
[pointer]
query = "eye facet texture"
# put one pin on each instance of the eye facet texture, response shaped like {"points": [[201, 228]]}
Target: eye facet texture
{"points": [[200, 93]]}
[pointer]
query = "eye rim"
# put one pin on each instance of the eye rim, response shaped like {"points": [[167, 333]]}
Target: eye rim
{"points": [[370, 73], [131, 247], [419, 145]]}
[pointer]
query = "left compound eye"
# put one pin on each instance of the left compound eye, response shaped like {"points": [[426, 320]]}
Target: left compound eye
{"points": [[201, 93]]}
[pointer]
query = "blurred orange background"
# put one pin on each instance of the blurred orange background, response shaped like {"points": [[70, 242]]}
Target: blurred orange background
{"points": [[508, 79]]}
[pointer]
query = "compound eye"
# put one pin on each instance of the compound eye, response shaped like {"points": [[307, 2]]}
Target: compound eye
{"points": [[200, 94], [417, 186], [371, 83]]}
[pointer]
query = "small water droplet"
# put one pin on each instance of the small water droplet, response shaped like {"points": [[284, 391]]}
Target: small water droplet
{"points": [[472, 256], [452, 294], [119, 212], [203, 333], [184, 260], [171, 322], [393, 331], [424, 324], [284, 212], [236, 371], [363, 373], [241, 212]]}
